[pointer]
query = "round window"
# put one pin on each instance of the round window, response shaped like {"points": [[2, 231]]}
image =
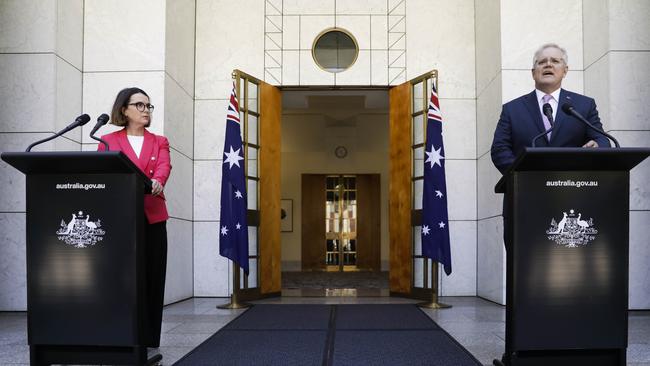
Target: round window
{"points": [[335, 50]]}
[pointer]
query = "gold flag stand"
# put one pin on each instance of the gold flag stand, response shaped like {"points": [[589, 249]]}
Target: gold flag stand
{"points": [[433, 303], [234, 298]]}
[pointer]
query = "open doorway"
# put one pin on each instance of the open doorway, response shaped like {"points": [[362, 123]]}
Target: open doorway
{"points": [[334, 188]]}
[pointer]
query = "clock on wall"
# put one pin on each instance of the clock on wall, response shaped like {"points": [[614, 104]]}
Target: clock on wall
{"points": [[341, 152]]}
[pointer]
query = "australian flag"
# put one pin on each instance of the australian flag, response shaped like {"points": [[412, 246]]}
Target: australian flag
{"points": [[435, 221], [233, 232]]}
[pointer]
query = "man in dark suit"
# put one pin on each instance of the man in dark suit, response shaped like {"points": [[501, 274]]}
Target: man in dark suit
{"points": [[522, 119]]}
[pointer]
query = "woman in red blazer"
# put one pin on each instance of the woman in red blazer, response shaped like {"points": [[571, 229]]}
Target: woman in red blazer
{"points": [[150, 153]]}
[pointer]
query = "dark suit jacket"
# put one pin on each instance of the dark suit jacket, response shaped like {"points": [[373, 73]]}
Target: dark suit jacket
{"points": [[154, 162], [521, 121]]}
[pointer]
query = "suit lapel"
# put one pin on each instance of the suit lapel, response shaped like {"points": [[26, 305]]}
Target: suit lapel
{"points": [[560, 116], [535, 114], [147, 147]]}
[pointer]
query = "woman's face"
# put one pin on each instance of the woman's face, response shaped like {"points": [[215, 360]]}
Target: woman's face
{"points": [[134, 116]]}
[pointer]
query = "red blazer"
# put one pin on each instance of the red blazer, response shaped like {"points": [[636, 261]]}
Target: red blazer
{"points": [[154, 162]]}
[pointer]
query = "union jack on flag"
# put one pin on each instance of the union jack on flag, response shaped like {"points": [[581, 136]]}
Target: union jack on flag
{"points": [[435, 220], [233, 227]]}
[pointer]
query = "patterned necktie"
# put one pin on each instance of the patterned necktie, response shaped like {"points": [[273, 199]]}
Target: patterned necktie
{"points": [[547, 123]]}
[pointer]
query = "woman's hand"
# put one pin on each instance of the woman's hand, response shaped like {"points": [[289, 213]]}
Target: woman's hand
{"points": [[156, 187]]}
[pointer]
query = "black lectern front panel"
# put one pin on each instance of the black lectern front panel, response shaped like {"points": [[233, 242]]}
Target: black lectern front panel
{"points": [[569, 260], [82, 231]]}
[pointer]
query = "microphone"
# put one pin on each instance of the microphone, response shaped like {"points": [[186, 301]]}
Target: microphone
{"points": [[101, 120], [568, 109], [79, 121], [548, 112]]}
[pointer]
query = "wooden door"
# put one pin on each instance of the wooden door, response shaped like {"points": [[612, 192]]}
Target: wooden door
{"points": [[260, 112], [369, 222], [313, 222]]}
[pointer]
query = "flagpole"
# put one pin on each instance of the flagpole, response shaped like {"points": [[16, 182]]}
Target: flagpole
{"points": [[434, 304], [234, 297]]}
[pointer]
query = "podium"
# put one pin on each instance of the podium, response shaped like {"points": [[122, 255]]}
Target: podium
{"points": [[566, 227], [85, 251]]}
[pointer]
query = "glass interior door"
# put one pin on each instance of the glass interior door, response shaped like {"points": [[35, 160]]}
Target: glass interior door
{"points": [[341, 223]]}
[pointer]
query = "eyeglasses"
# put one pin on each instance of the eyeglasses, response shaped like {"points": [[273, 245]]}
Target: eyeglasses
{"points": [[141, 106]]}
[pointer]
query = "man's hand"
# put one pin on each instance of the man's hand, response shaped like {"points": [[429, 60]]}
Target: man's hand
{"points": [[156, 187], [590, 143]]}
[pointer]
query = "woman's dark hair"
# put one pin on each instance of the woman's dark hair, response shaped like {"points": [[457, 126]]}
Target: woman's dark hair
{"points": [[122, 101]]}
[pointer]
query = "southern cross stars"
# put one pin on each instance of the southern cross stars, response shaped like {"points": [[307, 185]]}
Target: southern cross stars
{"points": [[232, 157], [438, 194], [224, 231], [238, 194], [425, 229], [434, 157]]}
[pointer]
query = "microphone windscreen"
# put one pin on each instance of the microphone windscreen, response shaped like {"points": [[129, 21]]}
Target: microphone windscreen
{"points": [[103, 119], [567, 108], [547, 109], [83, 119]]}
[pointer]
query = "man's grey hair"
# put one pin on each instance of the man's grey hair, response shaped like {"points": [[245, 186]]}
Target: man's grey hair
{"points": [[565, 57]]}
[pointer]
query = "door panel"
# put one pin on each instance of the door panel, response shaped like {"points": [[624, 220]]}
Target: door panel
{"points": [[270, 129], [400, 196], [369, 217], [313, 222]]}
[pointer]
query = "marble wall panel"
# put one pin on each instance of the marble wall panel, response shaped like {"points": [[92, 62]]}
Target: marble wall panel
{"points": [[488, 42], [629, 25], [13, 266], [452, 53], [216, 57], [101, 88], [358, 73], [596, 24], [207, 188], [311, 26], [69, 31], [489, 204], [597, 79], [298, 7], [178, 190], [491, 264], [124, 35], [639, 295], [640, 175], [209, 128], [27, 93], [179, 125], [488, 112], [461, 189], [379, 67], [358, 26], [27, 26], [68, 98], [379, 32], [290, 32], [290, 67], [519, 82], [179, 42], [462, 281], [629, 90], [554, 21], [311, 74], [211, 270], [179, 279], [376, 7], [459, 128]]}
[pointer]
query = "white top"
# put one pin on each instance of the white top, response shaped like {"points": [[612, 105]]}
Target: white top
{"points": [[553, 102], [136, 143]]}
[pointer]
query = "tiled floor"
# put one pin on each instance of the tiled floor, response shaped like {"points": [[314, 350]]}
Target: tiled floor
{"points": [[477, 324]]}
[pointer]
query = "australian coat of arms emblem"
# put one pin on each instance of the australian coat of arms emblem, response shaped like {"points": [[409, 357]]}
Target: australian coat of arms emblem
{"points": [[80, 232], [572, 231]]}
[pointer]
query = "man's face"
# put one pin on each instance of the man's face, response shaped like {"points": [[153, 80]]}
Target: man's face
{"points": [[549, 70]]}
